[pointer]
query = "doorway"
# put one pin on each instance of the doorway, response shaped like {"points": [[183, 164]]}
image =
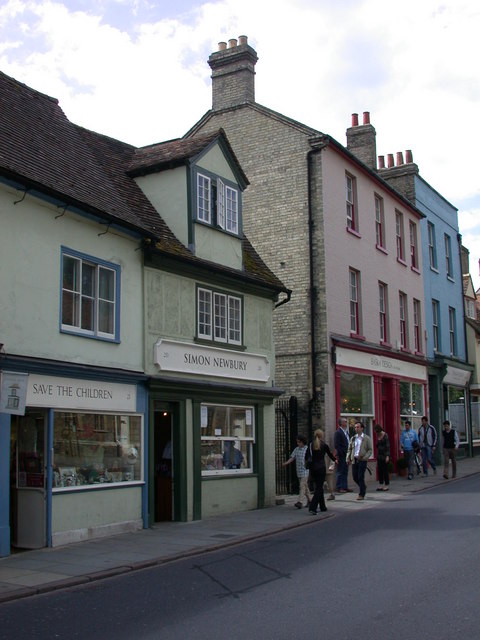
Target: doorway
{"points": [[27, 480], [163, 465]]}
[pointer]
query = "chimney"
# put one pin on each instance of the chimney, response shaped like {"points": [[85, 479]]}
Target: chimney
{"points": [[361, 140], [399, 158], [233, 73]]}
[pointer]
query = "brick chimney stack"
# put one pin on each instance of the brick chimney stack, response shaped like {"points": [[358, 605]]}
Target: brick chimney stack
{"points": [[233, 73], [361, 140], [400, 175]]}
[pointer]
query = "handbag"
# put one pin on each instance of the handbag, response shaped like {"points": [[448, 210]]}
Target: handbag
{"points": [[308, 457]]}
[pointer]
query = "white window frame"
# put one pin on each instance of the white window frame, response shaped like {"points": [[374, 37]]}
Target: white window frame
{"points": [[448, 256], [432, 249], [436, 324], [77, 301], [470, 311], [350, 202], [417, 325], [452, 330], [399, 236], [379, 222], [227, 203], [383, 311], [354, 288], [413, 245], [204, 198], [219, 316], [403, 317]]}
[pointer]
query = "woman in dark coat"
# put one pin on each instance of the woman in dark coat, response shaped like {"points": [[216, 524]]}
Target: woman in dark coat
{"points": [[316, 455], [383, 457]]}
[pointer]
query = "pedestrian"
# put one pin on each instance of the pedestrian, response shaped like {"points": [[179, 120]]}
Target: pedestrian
{"points": [[298, 455], [383, 457], [427, 437], [316, 463], [407, 439], [341, 440], [451, 442], [360, 450]]}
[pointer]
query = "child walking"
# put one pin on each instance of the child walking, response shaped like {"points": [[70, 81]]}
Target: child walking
{"points": [[298, 455]]}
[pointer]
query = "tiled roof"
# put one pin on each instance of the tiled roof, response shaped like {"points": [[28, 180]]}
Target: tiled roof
{"points": [[173, 153], [41, 149]]}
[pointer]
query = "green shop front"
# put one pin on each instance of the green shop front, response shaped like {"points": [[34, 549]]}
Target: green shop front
{"points": [[211, 443]]}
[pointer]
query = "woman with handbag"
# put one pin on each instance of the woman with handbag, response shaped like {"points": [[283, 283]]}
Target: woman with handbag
{"points": [[316, 464]]}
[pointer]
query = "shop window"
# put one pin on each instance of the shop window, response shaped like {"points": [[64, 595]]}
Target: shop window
{"points": [[454, 399], [90, 296], [475, 410], [227, 439], [412, 403], [356, 393], [92, 449]]}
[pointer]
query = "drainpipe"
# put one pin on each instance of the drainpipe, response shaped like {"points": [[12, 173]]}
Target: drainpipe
{"points": [[313, 288]]}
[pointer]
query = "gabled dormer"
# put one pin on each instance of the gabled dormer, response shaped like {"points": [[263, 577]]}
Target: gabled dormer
{"points": [[196, 186]]}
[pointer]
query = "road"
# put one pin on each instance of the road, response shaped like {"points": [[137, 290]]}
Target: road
{"points": [[403, 569]]}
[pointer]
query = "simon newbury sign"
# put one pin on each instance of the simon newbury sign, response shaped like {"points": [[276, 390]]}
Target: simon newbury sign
{"points": [[210, 361]]}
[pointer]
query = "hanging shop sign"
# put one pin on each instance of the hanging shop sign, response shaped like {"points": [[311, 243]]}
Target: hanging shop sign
{"points": [[208, 361], [13, 392]]}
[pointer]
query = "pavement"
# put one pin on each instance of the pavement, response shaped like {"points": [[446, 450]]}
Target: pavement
{"points": [[28, 573]]}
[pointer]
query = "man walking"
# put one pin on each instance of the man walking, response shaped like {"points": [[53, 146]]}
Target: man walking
{"points": [[427, 437], [341, 440], [360, 450], [407, 438], [451, 442]]}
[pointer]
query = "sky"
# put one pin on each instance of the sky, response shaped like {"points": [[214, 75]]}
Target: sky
{"points": [[137, 71]]}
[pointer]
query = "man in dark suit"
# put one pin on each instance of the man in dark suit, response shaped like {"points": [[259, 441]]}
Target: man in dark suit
{"points": [[340, 442]]}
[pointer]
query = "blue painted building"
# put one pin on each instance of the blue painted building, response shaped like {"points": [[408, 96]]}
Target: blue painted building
{"points": [[449, 371]]}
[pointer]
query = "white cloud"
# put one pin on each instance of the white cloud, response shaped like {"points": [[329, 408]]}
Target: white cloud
{"points": [[413, 65]]}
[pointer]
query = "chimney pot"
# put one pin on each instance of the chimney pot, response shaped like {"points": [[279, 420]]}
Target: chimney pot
{"points": [[222, 46], [242, 40], [366, 117], [390, 162], [354, 119], [399, 158], [232, 43], [381, 162], [408, 156]]}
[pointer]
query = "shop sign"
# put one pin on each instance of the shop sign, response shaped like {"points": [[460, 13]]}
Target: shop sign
{"points": [[380, 364], [72, 393], [209, 361], [13, 392], [456, 377]]}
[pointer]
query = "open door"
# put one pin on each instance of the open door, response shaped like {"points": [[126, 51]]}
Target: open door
{"points": [[163, 461], [27, 481]]}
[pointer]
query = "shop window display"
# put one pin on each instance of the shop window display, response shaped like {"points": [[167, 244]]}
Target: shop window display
{"points": [[92, 449], [356, 393], [227, 439], [454, 398], [412, 405]]}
